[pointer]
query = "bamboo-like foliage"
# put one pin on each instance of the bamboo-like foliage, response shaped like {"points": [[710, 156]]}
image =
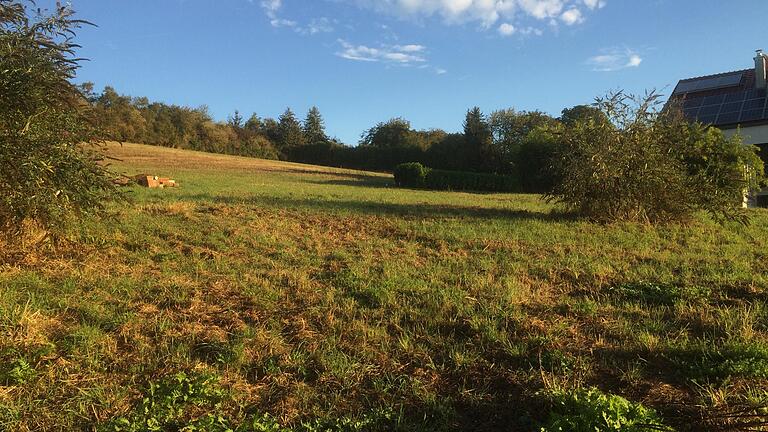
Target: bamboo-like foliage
{"points": [[650, 164], [48, 173]]}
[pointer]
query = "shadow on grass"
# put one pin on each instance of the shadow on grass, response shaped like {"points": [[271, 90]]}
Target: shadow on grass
{"points": [[417, 210], [696, 366], [351, 175], [357, 181], [388, 182]]}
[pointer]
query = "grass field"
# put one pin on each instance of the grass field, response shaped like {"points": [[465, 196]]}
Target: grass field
{"points": [[263, 293]]}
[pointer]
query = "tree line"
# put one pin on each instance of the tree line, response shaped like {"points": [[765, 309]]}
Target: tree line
{"points": [[507, 142]]}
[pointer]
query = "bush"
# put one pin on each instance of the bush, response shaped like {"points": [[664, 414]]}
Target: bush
{"points": [[651, 165], [467, 181], [258, 146], [411, 174], [590, 410], [46, 174]]}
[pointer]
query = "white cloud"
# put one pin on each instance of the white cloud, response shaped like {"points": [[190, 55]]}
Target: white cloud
{"points": [[411, 55], [594, 4], [531, 31], [271, 7], [634, 60], [410, 48], [487, 12], [542, 9], [507, 29], [280, 22], [572, 16], [404, 55], [502, 15], [615, 59], [317, 25]]}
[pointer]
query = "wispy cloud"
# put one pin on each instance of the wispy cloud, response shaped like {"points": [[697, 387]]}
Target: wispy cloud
{"points": [[317, 25], [488, 13], [413, 48], [411, 55], [280, 22], [271, 7], [615, 59], [404, 55], [507, 29], [594, 4]]}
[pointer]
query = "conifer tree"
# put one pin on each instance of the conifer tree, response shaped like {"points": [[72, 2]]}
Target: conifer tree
{"points": [[479, 140], [289, 131], [314, 127], [254, 124], [236, 121]]}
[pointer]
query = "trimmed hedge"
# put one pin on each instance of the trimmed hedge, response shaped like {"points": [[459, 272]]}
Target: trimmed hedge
{"points": [[413, 174]]}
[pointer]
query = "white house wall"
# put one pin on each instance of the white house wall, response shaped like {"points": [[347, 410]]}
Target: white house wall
{"points": [[751, 135]]}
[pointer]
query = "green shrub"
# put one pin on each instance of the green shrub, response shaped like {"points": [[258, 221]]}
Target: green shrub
{"points": [[651, 165], [590, 410], [411, 174], [46, 174], [467, 181]]}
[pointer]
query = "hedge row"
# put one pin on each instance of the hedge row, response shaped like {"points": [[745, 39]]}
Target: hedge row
{"points": [[415, 175]]}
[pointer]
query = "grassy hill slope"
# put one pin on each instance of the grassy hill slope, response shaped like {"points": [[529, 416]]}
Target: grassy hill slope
{"points": [[329, 297]]}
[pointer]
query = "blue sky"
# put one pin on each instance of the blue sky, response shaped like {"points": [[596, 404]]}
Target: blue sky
{"points": [[365, 61]]}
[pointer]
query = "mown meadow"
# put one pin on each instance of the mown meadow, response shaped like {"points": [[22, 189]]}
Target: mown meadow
{"points": [[263, 295]]}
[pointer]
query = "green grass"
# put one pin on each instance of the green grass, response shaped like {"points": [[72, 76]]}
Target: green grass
{"points": [[264, 296]]}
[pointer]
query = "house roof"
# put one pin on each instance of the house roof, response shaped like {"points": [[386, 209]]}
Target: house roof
{"points": [[724, 100]]}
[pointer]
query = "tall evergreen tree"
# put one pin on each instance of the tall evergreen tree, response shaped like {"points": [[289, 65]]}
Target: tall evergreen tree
{"points": [[236, 121], [290, 133], [479, 140], [254, 124], [314, 127]]}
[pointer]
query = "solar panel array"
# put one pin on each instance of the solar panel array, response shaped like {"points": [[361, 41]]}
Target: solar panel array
{"points": [[712, 83], [738, 107]]}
